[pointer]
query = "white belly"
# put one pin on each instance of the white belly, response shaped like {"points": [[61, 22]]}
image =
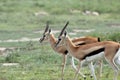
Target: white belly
{"points": [[95, 57]]}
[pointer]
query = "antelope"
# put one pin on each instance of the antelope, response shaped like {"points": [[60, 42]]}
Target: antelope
{"points": [[109, 50], [49, 36]]}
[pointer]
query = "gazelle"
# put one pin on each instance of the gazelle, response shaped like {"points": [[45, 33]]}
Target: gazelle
{"points": [[90, 52], [49, 36]]}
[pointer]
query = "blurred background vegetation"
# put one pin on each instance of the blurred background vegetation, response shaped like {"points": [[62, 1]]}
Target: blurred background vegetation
{"points": [[27, 18]]}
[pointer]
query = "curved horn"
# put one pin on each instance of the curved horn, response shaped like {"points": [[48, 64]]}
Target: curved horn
{"points": [[62, 31], [47, 27]]}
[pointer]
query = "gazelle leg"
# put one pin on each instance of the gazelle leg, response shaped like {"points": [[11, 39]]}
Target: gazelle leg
{"points": [[117, 62], [63, 65], [76, 74], [100, 63], [101, 67], [75, 68], [92, 70], [78, 71], [73, 64], [114, 67]]}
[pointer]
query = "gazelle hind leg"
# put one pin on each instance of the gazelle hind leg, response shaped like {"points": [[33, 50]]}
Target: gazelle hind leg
{"points": [[63, 65], [114, 67], [117, 61]]}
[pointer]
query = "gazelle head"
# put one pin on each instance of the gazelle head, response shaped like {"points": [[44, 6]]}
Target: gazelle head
{"points": [[61, 39], [62, 36], [45, 34]]}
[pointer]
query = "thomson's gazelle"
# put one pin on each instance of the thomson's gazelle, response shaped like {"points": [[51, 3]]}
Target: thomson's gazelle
{"points": [[49, 36], [87, 53]]}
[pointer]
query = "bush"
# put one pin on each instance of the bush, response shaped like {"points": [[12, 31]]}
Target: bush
{"points": [[114, 37], [108, 36], [11, 58]]}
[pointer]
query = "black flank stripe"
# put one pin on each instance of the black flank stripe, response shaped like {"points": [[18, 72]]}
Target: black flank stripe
{"points": [[66, 52], [94, 52]]}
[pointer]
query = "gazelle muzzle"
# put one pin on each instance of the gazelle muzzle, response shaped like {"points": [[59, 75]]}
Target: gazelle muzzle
{"points": [[42, 39]]}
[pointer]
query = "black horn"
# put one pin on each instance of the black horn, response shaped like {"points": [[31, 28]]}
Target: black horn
{"points": [[47, 27], [62, 31]]}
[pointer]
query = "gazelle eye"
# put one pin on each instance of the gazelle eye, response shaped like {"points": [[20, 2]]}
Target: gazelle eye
{"points": [[43, 35], [59, 39]]}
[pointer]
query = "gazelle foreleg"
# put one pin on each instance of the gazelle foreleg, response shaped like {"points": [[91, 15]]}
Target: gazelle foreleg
{"points": [[73, 64], [76, 74], [75, 68], [80, 63], [63, 65]]}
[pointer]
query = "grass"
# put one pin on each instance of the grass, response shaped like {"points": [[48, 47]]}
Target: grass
{"points": [[38, 61]]}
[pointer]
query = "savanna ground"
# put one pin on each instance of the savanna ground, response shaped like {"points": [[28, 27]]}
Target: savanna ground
{"points": [[21, 19]]}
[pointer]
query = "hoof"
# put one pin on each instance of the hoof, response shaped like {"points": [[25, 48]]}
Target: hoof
{"points": [[91, 76], [62, 79], [84, 78]]}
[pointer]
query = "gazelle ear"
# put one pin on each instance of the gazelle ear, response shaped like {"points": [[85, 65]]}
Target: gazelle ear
{"points": [[49, 30]]}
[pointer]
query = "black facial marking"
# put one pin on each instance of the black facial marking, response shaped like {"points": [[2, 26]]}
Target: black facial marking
{"points": [[66, 52], [59, 39], [43, 35], [57, 43], [94, 52]]}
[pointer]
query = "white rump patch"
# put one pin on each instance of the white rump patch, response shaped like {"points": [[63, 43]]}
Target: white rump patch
{"points": [[118, 53], [117, 60], [117, 57]]}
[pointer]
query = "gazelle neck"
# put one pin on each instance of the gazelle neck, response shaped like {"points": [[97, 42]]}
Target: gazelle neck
{"points": [[52, 40], [69, 45]]}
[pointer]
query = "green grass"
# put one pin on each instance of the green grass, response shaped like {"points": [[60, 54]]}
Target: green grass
{"points": [[34, 65], [38, 61]]}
